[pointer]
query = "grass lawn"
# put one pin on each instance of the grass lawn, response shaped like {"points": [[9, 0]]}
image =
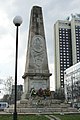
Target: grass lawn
{"points": [[24, 117], [69, 117]]}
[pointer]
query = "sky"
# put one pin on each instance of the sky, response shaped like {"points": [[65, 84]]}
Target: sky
{"points": [[53, 10]]}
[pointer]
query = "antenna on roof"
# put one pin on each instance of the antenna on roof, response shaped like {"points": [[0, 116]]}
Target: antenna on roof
{"points": [[68, 18], [78, 15], [73, 16]]}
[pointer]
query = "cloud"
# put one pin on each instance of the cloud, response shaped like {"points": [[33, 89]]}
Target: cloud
{"points": [[6, 42]]}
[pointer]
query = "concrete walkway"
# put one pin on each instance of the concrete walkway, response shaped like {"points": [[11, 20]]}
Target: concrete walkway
{"points": [[52, 117], [49, 117]]}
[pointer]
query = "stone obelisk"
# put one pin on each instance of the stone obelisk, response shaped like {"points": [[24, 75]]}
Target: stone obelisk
{"points": [[36, 73]]}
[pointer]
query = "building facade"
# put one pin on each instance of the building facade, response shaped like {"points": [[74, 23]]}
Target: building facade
{"points": [[19, 93], [72, 83], [66, 47]]}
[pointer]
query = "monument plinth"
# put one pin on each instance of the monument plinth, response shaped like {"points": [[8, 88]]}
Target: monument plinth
{"points": [[36, 73]]}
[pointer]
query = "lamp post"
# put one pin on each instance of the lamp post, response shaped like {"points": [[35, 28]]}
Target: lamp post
{"points": [[17, 22]]}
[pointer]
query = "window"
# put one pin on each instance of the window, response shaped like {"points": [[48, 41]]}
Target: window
{"points": [[67, 59], [63, 31], [63, 37], [67, 56], [67, 65], [66, 37], [67, 43], [78, 55], [77, 37], [60, 36], [60, 45], [61, 59], [78, 52], [78, 60]]}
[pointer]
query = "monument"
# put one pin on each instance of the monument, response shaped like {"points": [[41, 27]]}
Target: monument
{"points": [[36, 73]]}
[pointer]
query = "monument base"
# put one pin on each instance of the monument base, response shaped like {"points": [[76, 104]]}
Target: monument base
{"points": [[41, 105]]}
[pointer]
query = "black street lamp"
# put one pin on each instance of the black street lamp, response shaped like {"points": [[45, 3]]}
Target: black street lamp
{"points": [[17, 21]]}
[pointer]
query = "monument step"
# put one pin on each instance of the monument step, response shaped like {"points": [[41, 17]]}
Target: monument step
{"points": [[40, 110], [42, 102], [28, 103]]}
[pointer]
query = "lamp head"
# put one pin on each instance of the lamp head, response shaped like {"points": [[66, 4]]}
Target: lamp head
{"points": [[17, 20]]}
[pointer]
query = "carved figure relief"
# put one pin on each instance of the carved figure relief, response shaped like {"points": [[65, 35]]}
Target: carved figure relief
{"points": [[37, 51]]}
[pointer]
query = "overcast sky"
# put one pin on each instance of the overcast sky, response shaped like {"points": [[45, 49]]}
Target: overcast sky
{"points": [[53, 10]]}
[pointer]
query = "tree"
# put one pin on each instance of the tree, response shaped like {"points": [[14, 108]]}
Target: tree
{"points": [[5, 98], [8, 85], [59, 94]]}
